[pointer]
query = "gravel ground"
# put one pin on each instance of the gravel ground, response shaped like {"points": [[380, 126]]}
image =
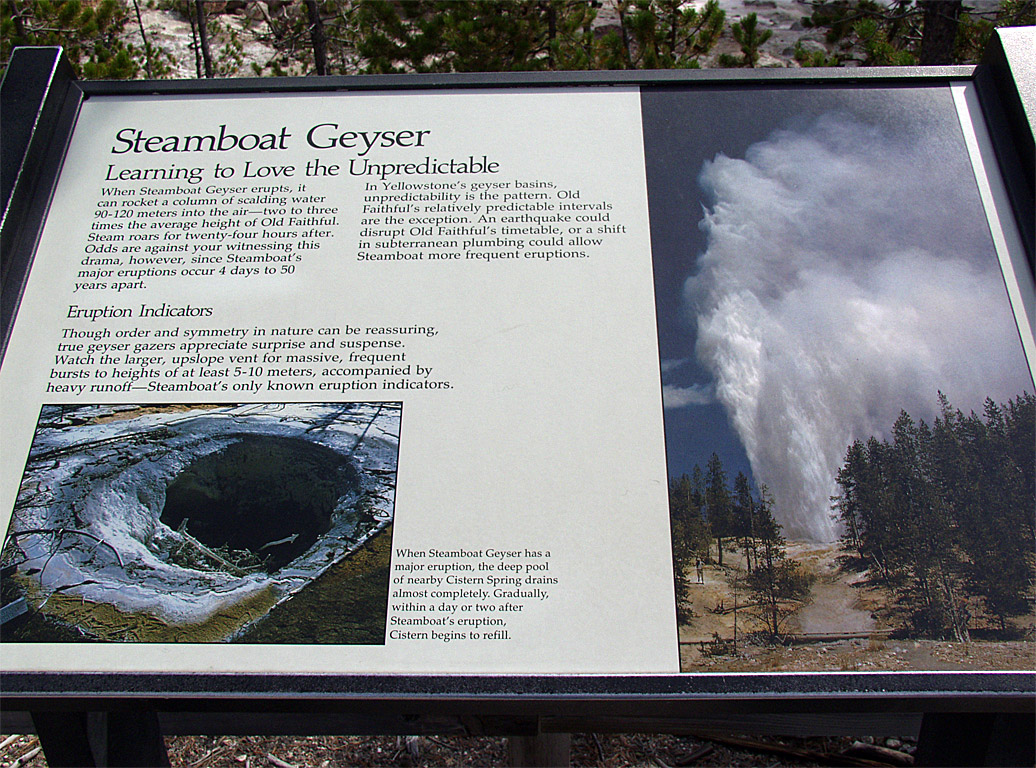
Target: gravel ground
{"points": [[598, 750]]}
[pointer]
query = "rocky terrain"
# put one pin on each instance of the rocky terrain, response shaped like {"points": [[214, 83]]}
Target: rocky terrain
{"points": [[242, 42], [153, 524], [590, 749], [849, 625]]}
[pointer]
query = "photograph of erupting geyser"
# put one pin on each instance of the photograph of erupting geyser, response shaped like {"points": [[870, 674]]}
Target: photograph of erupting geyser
{"points": [[849, 412], [204, 523]]}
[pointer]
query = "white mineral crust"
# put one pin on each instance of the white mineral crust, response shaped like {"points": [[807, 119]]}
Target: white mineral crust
{"points": [[109, 480]]}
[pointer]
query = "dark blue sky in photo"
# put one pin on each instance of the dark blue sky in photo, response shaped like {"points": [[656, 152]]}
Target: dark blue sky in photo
{"points": [[684, 128]]}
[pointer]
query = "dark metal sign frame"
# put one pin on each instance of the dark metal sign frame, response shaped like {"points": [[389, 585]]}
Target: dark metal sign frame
{"points": [[40, 105]]}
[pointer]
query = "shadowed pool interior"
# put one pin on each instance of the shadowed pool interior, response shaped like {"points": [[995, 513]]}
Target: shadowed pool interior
{"points": [[273, 496]]}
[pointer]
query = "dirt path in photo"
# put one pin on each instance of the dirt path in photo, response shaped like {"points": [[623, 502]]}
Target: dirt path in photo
{"points": [[835, 607]]}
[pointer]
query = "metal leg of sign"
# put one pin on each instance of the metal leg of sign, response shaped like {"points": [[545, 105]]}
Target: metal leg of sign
{"points": [[543, 749], [63, 736], [134, 739], [970, 739], [95, 739]]}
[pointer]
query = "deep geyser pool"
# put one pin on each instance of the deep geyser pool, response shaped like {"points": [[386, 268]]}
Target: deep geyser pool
{"points": [[191, 523], [273, 496]]}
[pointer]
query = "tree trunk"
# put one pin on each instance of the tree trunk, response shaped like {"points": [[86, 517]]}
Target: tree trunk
{"points": [[941, 18], [316, 33], [143, 40], [195, 45], [629, 65], [735, 618], [203, 37], [959, 622], [552, 32], [16, 20], [674, 22]]}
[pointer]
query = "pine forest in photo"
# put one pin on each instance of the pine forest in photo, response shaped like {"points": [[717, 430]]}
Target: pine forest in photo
{"points": [[849, 413]]}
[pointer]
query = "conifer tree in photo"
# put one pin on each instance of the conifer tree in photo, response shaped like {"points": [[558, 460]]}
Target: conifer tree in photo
{"points": [[778, 586], [718, 506], [745, 513], [690, 537], [945, 516]]}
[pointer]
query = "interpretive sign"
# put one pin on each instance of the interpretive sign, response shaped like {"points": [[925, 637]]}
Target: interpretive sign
{"points": [[526, 380], [375, 373]]}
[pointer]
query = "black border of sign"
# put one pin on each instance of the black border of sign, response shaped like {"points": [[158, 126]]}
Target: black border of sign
{"points": [[32, 161]]}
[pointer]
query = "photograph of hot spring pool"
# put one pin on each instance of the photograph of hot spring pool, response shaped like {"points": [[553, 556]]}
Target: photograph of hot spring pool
{"points": [[259, 522], [849, 411]]}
